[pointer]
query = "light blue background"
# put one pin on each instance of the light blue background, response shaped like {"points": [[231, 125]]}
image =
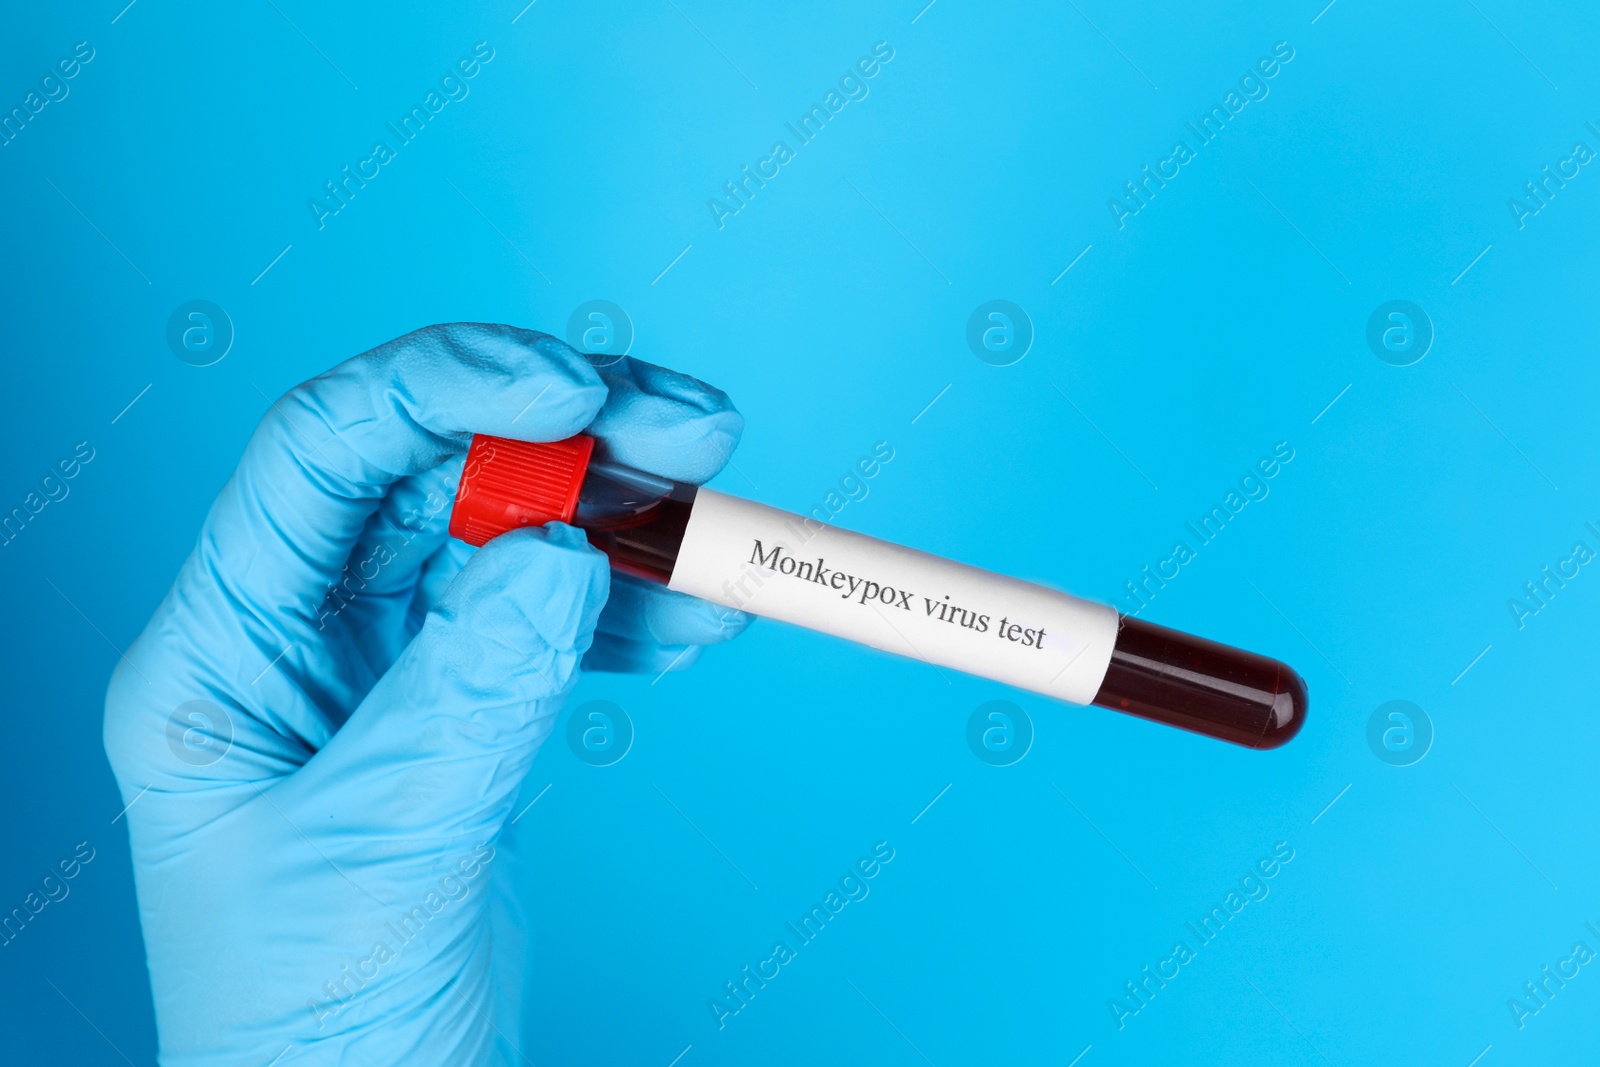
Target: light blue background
{"points": [[1223, 319]]}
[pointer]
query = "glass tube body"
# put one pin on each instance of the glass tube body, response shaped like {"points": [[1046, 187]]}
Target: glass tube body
{"points": [[640, 522]]}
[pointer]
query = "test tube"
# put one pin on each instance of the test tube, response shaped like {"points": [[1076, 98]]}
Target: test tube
{"points": [[755, 558]]}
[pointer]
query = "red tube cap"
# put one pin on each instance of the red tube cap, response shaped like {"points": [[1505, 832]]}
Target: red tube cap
{"points": [[508, 484]]}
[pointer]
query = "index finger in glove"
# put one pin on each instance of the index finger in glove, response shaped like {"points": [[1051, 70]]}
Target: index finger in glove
{"points": [[325, 455], [665, 423]]}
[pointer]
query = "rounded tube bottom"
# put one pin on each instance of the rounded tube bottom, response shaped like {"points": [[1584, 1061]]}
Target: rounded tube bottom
{"points": [[1200, 685]]}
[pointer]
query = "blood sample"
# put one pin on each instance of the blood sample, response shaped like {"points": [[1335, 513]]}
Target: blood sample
{"points": [[754, 558]]}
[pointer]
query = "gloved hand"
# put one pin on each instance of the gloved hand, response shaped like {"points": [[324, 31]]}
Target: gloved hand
{"points": [[325, 725]]}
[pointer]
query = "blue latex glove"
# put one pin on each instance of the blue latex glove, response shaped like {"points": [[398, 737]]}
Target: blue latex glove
{"points": [[324, 727]]}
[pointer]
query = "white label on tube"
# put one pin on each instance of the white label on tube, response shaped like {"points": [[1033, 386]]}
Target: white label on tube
{"points": [[768, 562]]}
